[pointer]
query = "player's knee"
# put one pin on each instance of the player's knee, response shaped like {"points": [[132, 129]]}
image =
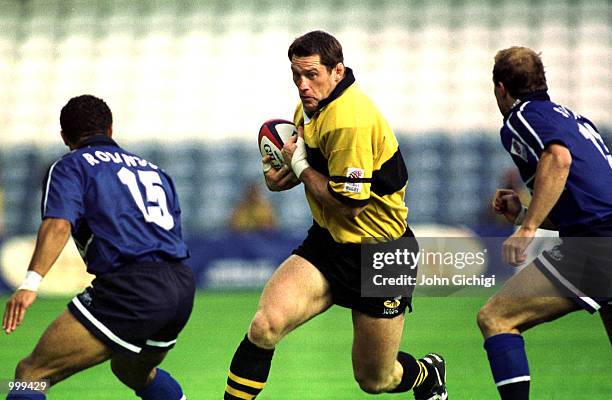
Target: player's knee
{"points": [[134, 376], [131, 379], [32, 368], [484, 318], [267, 328], [372, 380], [27, 370], [23, 369], [372, 385], [123, 374], [490, 321]]}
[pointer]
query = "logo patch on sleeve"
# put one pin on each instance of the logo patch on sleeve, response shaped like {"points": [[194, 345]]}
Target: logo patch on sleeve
{"points": [[518, 149], [354, 187]]}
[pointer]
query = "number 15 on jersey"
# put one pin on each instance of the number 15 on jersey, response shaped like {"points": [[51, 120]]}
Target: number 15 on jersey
{"points": [[154, 191]]}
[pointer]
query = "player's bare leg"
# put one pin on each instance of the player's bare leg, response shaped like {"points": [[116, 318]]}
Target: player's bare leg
{"points": [[296, 292], [65, 348], [526, 300], [375, 345], [380, 367]]}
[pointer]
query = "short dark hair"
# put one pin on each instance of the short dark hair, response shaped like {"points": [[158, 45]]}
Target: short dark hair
{"points": [[521, 71], [83, 116], [320, 43]]}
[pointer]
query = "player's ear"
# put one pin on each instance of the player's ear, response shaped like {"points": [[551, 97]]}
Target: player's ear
{"points": [[65, 139], [502, 89], [110, 131], [338, 72]]}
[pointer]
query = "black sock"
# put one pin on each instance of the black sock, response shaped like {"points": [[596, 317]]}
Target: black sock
{"points": [[412, 372], [248, 371]]}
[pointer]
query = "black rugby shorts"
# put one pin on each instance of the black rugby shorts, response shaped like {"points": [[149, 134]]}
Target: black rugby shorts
{"points": [[340, 264]]}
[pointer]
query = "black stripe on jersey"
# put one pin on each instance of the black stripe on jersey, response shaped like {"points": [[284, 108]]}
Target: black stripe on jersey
{"points": [[317, 160], [342, 179], [355, 203], [391, 177]]}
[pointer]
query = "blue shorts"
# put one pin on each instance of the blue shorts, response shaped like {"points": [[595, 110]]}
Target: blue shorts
{"points": [[581, 267], [138, 307]]}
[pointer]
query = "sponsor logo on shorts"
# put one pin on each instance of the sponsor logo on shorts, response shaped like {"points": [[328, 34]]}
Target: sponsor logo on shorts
{"points": [[555, 253], [85, 298], [392, 303], [391, 306]]}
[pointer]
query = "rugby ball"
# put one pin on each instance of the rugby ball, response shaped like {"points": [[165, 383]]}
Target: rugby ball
{"points": [[272, 136]]}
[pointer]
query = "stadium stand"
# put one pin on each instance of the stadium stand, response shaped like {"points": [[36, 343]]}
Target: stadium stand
{"points": [[181, 76]]}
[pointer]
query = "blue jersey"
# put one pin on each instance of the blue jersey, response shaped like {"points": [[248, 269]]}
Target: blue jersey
{"points": [[122, 208], [536, 122]]}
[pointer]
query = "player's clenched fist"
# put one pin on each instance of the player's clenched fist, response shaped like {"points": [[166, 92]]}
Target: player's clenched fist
{"points": [[506, 202], [514, 249], [278, 179], [16, 308]]}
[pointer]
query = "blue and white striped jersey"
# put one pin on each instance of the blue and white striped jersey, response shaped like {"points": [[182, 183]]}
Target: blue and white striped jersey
{"points": [[536, 122], [122, 208]]}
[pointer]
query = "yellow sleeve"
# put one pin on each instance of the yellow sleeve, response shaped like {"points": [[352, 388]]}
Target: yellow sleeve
{"points": [[350, 163]]}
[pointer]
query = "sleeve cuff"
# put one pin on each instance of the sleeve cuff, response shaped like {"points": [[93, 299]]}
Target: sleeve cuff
{"points": [[60, 216], [556, 141]]}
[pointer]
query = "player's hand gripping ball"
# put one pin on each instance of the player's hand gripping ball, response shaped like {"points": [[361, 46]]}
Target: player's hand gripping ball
{"points": [[272, 136]]}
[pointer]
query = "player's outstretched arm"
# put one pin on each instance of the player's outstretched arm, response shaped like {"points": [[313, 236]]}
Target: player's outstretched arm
{"points": [[52, 237]]}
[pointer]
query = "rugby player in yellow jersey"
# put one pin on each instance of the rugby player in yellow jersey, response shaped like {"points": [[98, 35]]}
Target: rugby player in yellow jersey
{"points": [[348, 159]]}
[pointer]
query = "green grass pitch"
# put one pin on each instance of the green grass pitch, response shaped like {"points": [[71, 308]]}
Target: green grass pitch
{"points": [[570, 358]]}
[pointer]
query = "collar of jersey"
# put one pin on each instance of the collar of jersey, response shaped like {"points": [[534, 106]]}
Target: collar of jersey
{"points": [[98, 140], [541, 95], [347, 81]]}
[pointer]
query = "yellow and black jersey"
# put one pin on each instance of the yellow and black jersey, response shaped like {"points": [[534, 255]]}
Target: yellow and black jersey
{"points": [[351, 143]]}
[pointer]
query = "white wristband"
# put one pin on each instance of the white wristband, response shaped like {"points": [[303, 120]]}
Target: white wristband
{"points": [[298, 161], [31, 281], [521, 216], [299, 167]]}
